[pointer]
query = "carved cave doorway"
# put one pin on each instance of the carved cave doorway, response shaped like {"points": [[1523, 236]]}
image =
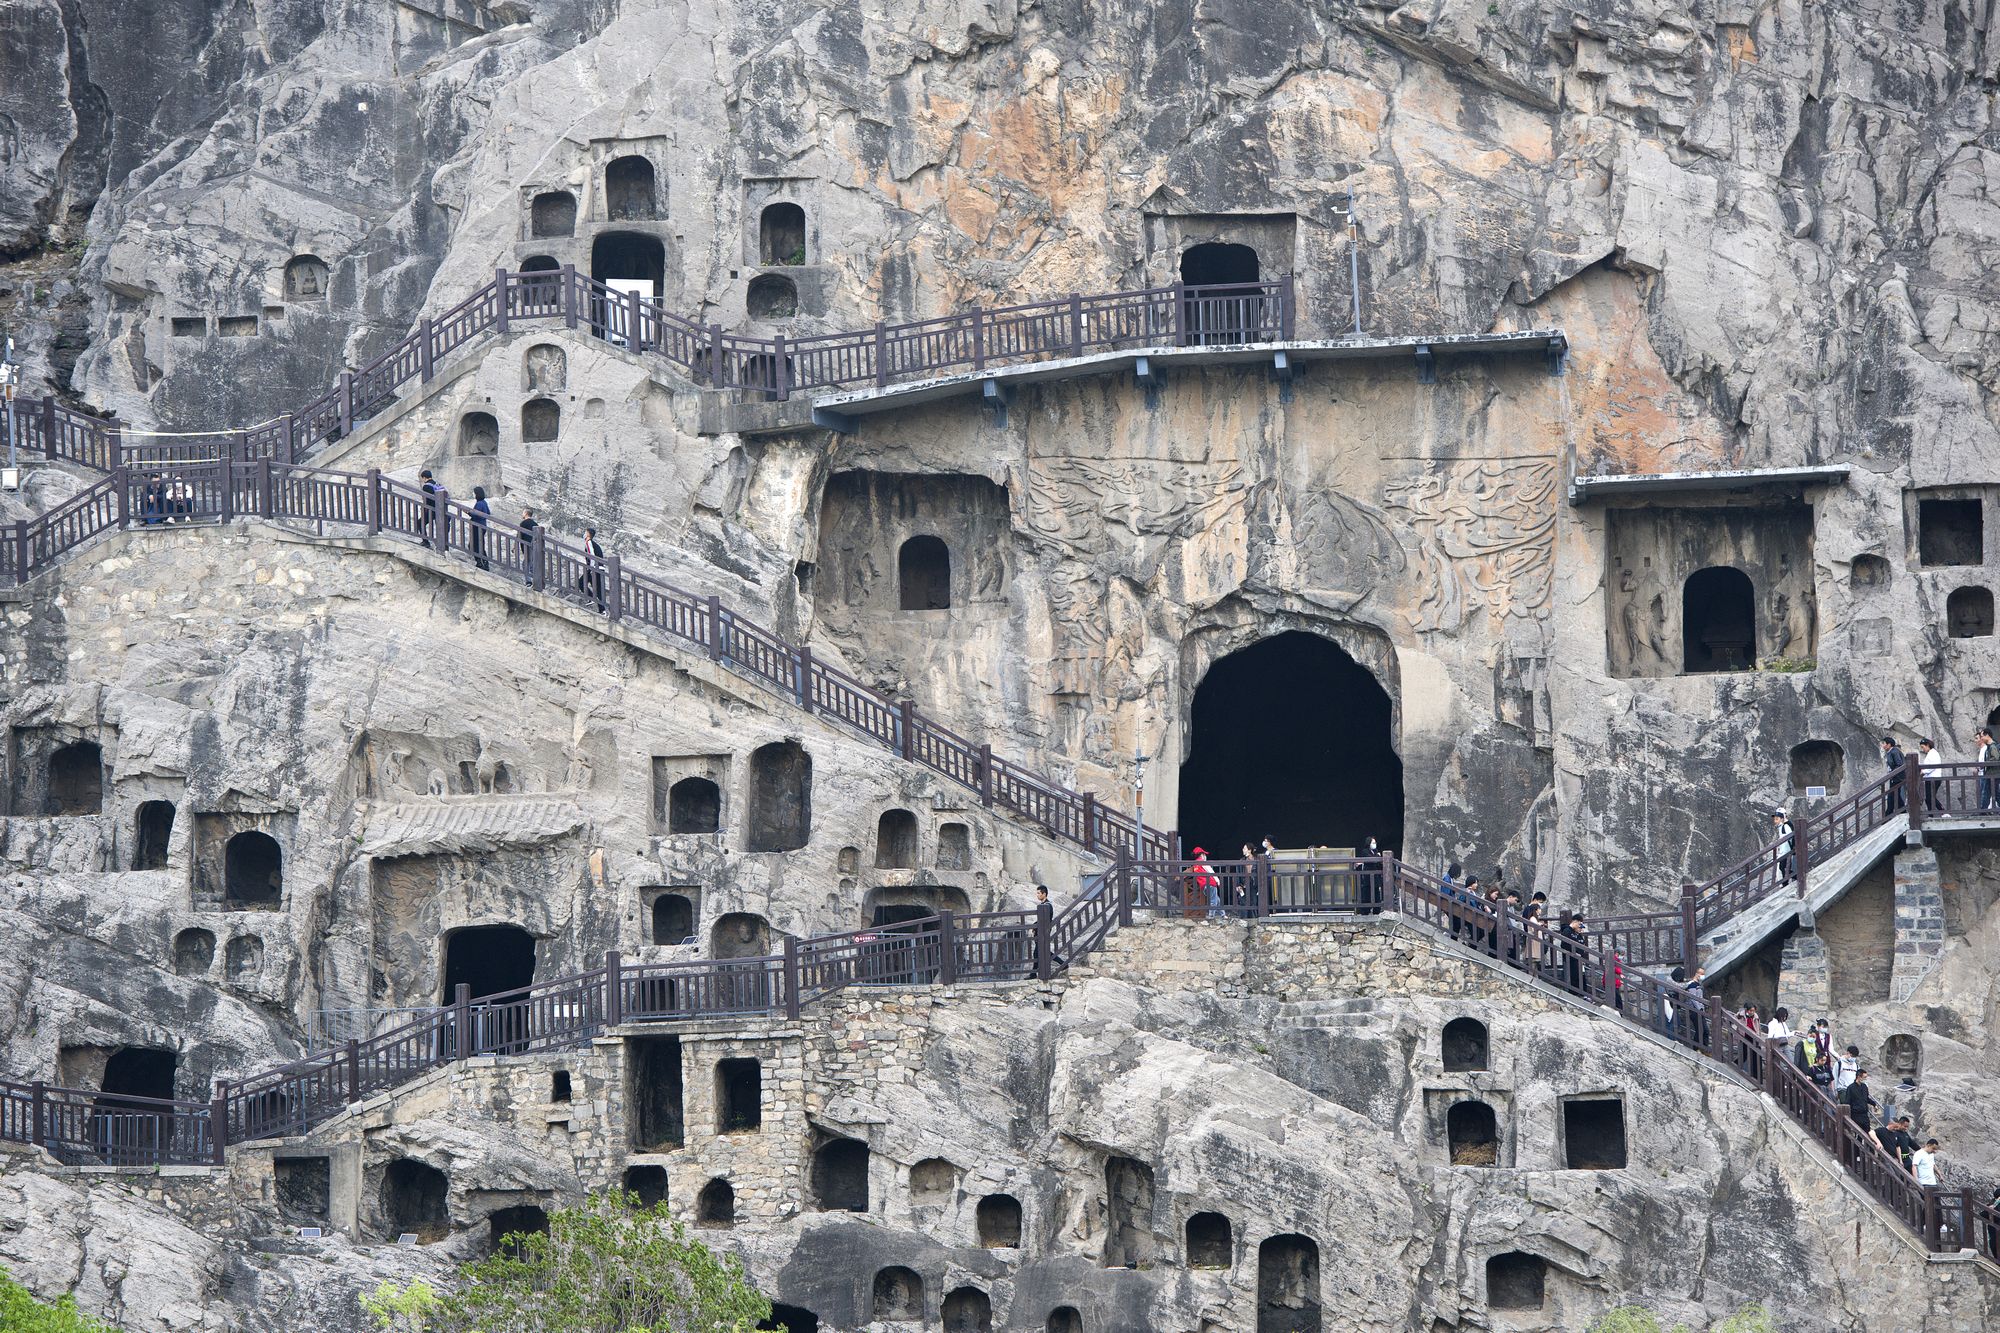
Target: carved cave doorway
{"points": [[1220, 317], [489, 959], [1291, 739]]}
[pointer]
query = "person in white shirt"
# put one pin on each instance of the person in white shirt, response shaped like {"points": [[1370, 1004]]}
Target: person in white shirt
{"points": [[1844, 1066], [1924, 1164], [1931, 760], [1779, 1030]]}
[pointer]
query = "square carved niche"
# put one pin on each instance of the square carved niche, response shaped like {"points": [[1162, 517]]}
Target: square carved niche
{"points": [[688, 793]]}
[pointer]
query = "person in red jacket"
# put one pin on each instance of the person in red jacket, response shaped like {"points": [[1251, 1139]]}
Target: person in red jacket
{"points": [[1207, 883]]}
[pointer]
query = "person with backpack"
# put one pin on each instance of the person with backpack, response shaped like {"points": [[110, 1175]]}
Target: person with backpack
{"points": [[1845, 1066], [429, 520], [1207, 884], [1787, 863]]}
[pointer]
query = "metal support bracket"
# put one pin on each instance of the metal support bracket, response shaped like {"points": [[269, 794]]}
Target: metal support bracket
{"points": [[994, 397], [1150, 378], [1283, 372], [1558, 353], [1426, 364], [841, 423]]}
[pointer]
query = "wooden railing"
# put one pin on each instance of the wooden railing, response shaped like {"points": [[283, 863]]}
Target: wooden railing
{"points": [[353, 503], [970, 341], [89, 1127], [1662, 939]]}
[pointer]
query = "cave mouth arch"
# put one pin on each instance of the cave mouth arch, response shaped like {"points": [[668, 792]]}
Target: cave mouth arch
{"points": [[1292, 739]]}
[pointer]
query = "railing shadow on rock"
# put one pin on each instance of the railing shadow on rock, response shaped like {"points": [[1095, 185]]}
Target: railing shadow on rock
{"points": [[1009, 946], [969, 341]]}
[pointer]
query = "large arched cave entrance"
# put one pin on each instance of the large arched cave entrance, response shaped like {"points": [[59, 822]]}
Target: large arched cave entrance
{"points": [[490, 959], [1290, 739]]}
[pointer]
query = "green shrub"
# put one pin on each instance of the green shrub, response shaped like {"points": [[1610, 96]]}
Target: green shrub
{"points": [[22, 1313], [604, 1266]]}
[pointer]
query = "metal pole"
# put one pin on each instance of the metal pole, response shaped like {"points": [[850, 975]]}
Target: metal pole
{"points": [[1139, 804], [9, 372], [1354, 261]]}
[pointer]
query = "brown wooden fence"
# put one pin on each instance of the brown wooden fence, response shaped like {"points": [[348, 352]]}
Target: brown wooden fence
{"points": [[90, 1127], [970, 341], [349, 503]]}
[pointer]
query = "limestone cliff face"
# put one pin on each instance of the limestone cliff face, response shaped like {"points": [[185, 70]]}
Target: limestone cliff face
{"points": [[1764, 228]]}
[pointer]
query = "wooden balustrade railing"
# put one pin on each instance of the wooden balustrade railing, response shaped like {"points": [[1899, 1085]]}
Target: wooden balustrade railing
{"points": [[80, 1126], [378, 505], [970, 341], [1662, 939]]}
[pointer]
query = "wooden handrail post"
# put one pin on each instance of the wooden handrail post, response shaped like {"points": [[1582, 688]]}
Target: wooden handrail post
{"points": [[374, 501], [121, 485], [978, 339], [906, 726], [291, 438], [947, 948], [267, 496], [881, 355], [1913, 787], [986, 775], [218, 1124], [1932, 1241], [1802, 853], [500, 301], [781, 373], [114, 448], [717, 650], [636, 341], [461, 1003], [614, 987], [1392, 883], [1690, 895], [228, 467], [353, 1071], [1089, 838], [1075, 324], [20, 550], [1180, 317], [792, 976], [569, 295], [1287, 309], [614, 604], [41, 1113], [802, 669], [426, 353], [716, 379], [1122, 886]]}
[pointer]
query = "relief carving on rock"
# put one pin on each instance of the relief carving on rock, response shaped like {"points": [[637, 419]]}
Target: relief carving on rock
{"points": [[1073, 500], [1483, 534]]}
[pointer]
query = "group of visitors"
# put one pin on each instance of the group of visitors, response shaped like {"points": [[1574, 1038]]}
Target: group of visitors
{"points": [[165, 500], [437, 513], [1522, 933], [1930, 765]]}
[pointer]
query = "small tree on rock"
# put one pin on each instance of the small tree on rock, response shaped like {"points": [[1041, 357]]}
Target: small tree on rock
{"points": [[604, 1266], [20, 1312]]}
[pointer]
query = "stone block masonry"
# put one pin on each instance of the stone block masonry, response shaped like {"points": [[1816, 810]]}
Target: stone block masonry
{"points": [[1919, 920]]}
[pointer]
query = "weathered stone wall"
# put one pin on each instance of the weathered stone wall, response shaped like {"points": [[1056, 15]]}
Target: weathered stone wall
{"points": [[475, 762]]}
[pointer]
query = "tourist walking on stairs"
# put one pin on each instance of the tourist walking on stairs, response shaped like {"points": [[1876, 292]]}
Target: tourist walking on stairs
{"points": [[591, 581], [1924, 1164], [1931, 760], [1893, 760], [1989, 771], [527, 525], [1783, 827], [481, 511], [1857, 1099]]}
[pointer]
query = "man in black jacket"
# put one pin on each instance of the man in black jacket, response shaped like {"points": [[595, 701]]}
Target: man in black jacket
{"points": [[1892, 759], [1857, 1100]]}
